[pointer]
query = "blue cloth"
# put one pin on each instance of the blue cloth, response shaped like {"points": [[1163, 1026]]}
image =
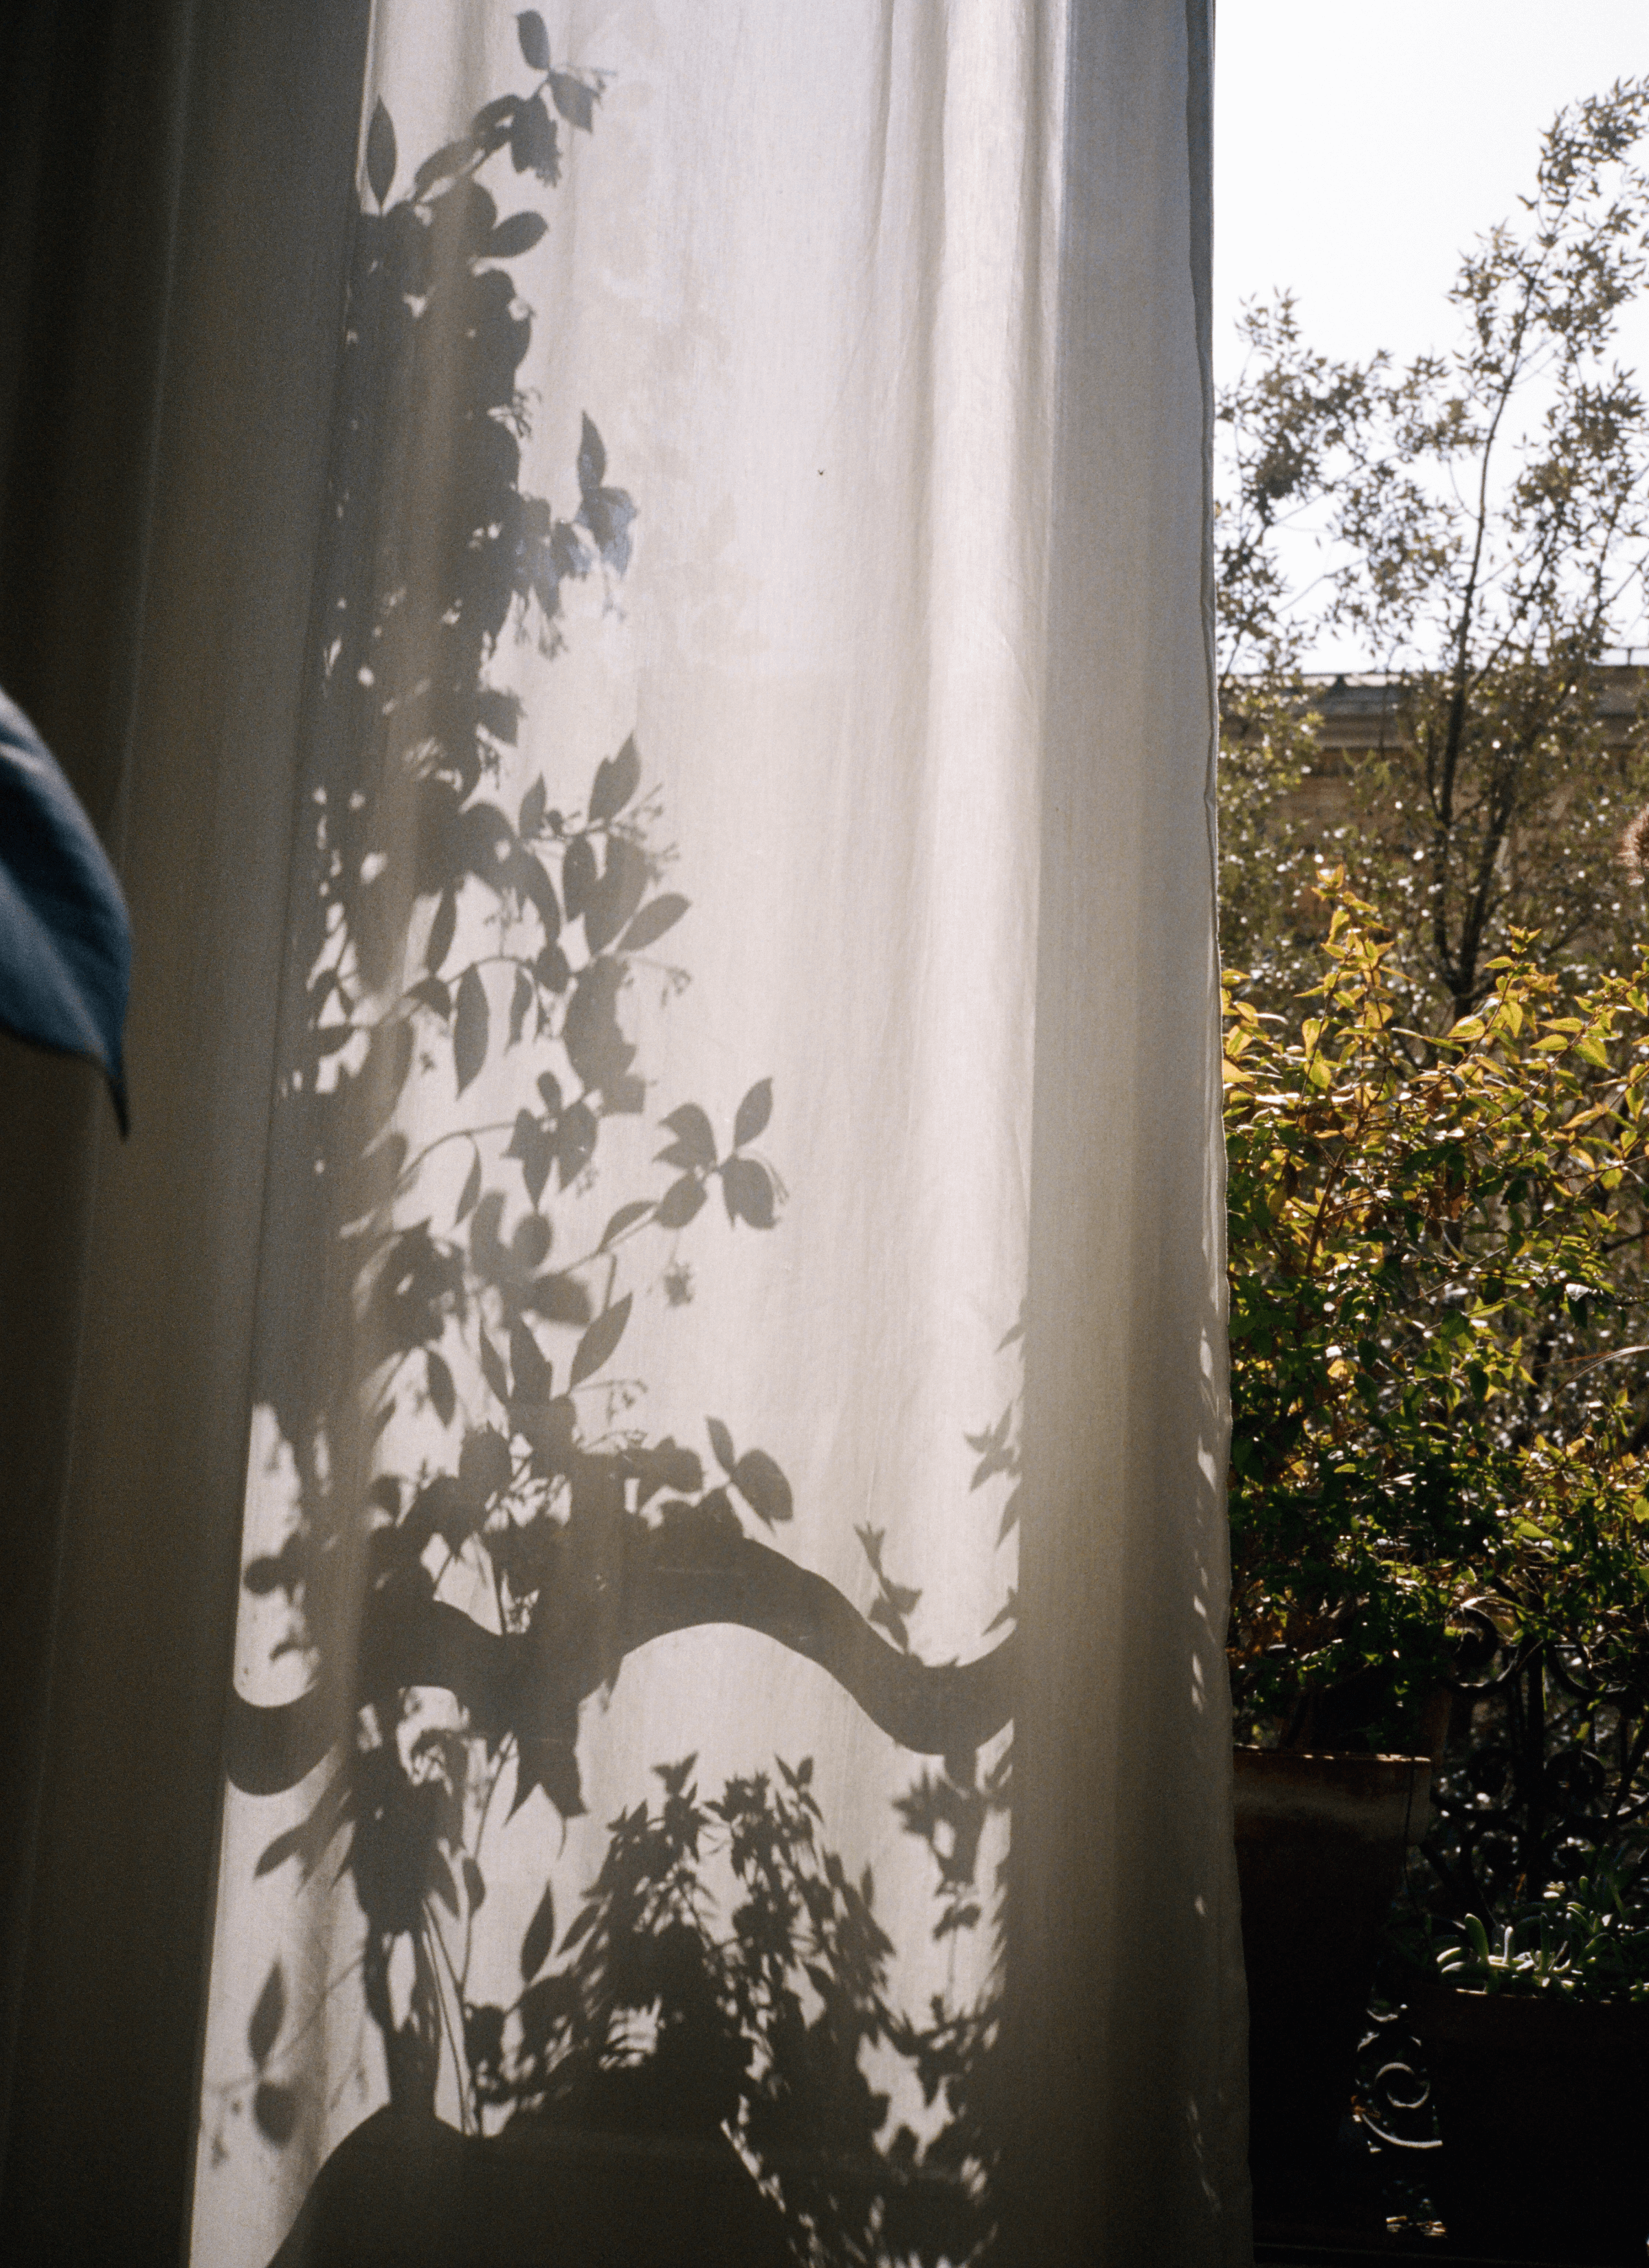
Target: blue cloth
{"points": [[65, 943]]}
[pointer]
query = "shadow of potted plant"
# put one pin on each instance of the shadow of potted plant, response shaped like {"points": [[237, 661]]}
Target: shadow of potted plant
{"points": [[483, 1529], [1423, 1236]]}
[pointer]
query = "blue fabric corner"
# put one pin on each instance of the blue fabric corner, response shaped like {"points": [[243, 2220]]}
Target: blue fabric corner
{"points": [[65, 942]]}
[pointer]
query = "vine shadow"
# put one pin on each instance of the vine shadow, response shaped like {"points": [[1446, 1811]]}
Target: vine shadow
{"points": [[478, 1517]]}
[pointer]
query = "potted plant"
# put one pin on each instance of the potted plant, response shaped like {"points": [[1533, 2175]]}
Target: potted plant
{"points": [[1425, 1291], [1525, 1943], [1536, 2028]]}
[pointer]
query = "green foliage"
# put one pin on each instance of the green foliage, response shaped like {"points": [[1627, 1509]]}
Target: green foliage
{"points": [[1436, 1061], [1587, 1942], [1477, 522], [1433, 1267]]}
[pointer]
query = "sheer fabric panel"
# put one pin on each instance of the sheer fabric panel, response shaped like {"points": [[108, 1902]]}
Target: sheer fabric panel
{"points": [[727, 1752], [763, 576], [1128, 1947]]}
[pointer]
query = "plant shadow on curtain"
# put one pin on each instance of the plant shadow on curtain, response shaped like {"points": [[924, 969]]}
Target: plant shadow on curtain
{"points": [[479, 1529]]}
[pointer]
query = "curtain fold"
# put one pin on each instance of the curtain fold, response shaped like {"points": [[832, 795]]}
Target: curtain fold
{"points": [[1127, 1943], [669, 829], [183, 193]]}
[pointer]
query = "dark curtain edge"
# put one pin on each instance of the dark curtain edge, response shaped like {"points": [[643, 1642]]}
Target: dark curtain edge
{"points": [[257, 121]]}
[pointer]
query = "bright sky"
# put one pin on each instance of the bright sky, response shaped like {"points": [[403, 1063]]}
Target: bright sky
{"points": [[1360, 145]]}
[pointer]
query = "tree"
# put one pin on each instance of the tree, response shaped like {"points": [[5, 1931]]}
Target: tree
{"points": [[1438, 1465], [1480, 521]]}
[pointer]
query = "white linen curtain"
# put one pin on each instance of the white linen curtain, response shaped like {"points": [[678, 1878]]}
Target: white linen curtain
{"points": [[728, 1755]]}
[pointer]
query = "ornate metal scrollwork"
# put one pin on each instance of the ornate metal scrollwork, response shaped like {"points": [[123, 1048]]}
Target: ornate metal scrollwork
{"points": [[1546, 1771]]}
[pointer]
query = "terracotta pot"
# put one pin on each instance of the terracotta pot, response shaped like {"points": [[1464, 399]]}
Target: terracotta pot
{"points": [[1543, 2109], [1320, 1842]]}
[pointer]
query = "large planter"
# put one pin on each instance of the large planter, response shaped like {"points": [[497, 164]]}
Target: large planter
{"points": [[1320, 1841], [1543, 2109]]}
